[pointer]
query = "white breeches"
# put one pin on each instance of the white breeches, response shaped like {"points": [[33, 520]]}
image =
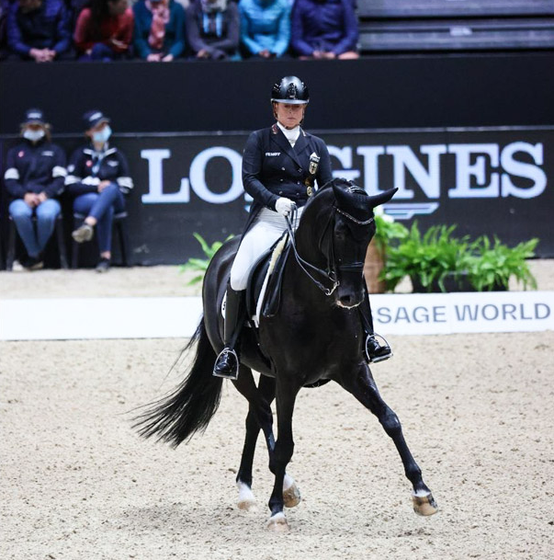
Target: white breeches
{"points": [[267, 229]]}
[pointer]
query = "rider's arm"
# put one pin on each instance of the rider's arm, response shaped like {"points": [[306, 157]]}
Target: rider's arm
{"points": [[252, 162]]}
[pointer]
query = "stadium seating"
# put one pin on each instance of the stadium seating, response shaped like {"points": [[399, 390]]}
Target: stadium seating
{"points": [[455, 25]]}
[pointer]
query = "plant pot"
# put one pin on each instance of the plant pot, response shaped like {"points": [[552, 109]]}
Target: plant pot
{"points": [[374, 263], [451, 284]]}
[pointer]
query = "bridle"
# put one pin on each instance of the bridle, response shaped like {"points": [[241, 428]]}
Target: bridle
{"points": [[329, 274]]}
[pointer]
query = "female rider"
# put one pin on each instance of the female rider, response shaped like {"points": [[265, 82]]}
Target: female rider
{"points": [[279, 167]]}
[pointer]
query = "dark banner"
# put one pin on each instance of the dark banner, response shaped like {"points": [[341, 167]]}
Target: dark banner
{"points": [[493, 181]]}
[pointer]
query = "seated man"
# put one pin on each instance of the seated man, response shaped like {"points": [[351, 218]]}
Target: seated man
{"points": [[324, 29], [39, 30], [34, 178], [213, 29]]}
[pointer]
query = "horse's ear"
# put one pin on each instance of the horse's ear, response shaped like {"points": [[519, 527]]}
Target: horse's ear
{"points": [[381, 198]]}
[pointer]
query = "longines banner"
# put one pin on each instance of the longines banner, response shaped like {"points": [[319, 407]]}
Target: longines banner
{"points": [[487, 181]]}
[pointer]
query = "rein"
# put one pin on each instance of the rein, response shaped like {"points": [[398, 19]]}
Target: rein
{"points": [[330, 273]]}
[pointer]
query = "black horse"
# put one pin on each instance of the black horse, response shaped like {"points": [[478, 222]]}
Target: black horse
{"points": [[315, 336]]}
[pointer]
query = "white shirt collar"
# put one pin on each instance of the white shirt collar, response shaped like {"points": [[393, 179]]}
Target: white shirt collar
{"points": [[291, 135]]}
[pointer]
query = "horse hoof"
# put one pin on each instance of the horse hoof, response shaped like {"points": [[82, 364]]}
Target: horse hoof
{"points": [[278, 523], [291, 496], [247, 501], [425, 504], [248, 505]]}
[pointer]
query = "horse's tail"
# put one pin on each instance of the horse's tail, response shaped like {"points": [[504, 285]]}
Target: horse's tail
{"points": [[190, 407]]}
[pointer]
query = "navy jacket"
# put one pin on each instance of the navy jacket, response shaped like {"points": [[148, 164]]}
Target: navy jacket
{"points": [[272, 168], [87, 169], [46, 27], [35, 168], [325, 25]]}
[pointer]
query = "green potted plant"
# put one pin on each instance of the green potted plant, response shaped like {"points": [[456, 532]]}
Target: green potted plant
{"points": [[429, 259], [438, 261], [492, 265]]}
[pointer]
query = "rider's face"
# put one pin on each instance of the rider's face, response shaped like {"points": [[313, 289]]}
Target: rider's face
{"points": [[289, 115]]}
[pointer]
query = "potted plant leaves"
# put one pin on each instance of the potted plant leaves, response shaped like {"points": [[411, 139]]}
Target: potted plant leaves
{"points": [[437, 261], [199, 266]]}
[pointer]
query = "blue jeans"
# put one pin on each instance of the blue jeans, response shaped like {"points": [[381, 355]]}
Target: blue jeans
{"points": [[46, 214], [102, 206]]}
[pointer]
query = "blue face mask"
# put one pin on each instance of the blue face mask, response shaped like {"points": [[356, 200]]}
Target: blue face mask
{"points": [[103, 135], [33, 135]]}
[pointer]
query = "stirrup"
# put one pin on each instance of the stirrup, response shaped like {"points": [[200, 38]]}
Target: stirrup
{"points": [[233, 375], [376, 359]]}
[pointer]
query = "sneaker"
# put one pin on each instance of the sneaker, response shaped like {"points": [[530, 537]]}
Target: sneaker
{"points": [[103, 265], [83, 233], [33, 263], [17, 267]]}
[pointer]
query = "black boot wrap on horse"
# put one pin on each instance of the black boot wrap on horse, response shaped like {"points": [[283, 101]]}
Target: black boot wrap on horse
{"points": [[375, 352], [228, 361]]}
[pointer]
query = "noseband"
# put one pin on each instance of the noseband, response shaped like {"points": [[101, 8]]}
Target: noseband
{"points": [[329, 274]]}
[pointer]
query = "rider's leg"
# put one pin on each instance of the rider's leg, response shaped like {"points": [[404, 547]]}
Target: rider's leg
{"points": [[375, 351], [227, 363], [258, 239]]}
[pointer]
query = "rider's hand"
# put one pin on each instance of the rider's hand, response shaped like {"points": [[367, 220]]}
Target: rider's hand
{"points": [[284, 206]]}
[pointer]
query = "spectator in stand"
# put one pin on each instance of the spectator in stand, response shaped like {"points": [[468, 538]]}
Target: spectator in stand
{"points": [[264, 28], [34, 178], [213, 29], [39, 30], [324, 29], [104, 30], [159, 30], [98, 178]]}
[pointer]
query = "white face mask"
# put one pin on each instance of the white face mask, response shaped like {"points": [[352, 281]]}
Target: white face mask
{"points": [[103, 135], [33, 135]]}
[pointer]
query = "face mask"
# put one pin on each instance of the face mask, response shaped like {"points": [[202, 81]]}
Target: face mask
{"points": [[33, 135], [103, 135]]}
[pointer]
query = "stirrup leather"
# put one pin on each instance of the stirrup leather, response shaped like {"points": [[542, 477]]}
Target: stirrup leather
{"points": [[225, 354], [375, 359]]}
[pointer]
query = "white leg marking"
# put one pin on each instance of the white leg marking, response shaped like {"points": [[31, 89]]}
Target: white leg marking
{"points": [[247, 501]]}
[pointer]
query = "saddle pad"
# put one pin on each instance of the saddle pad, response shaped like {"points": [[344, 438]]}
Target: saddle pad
{"points": [[261, 284]]}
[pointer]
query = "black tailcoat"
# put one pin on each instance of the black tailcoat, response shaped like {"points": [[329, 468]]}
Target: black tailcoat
{"points": [[272, 168]]}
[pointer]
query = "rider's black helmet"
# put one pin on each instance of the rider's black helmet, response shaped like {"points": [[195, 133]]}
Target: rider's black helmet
{"points": [[292, 90]]}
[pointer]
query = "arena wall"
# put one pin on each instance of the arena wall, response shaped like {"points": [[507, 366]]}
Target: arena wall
{"points": [[466, 138]]}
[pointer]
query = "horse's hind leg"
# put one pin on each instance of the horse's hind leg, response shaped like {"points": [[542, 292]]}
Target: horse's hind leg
{"points": [[363, 387]]}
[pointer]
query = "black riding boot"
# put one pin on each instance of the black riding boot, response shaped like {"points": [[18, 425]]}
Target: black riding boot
{"points": [[375, 352], [227, 363]]}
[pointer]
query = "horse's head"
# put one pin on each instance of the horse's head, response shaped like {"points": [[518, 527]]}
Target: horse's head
{"points": [[353, 226]]}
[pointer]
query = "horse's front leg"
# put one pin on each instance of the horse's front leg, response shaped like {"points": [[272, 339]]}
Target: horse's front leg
{"points": [[259, 416], [284, 447], [363, 387]]}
